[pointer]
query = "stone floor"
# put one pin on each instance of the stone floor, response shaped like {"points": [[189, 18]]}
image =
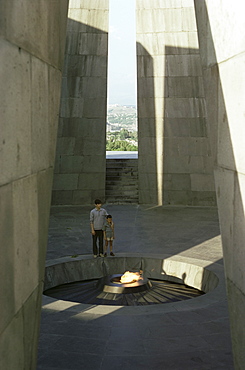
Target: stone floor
{"points": [[189, 336]]}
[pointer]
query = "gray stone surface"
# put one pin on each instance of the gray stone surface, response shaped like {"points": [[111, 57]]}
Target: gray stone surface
{"points": [[171, 106], [6, 264], [222, 62], [32, 58], [189, 271], [170, 89], [82, 125], [184, 335], [15, 159], [122, 179], [32, 47], [34, 36], [121, 154]]}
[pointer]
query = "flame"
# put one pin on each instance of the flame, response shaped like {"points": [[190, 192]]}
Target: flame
{"points": [[130, 277]]}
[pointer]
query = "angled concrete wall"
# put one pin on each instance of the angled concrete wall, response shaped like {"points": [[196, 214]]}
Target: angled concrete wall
{"points": [[222, 47], [31, 47], [81, 145], [175, 160]]}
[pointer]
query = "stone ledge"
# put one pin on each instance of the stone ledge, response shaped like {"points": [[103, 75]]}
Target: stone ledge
{"points": [[200, 274]]}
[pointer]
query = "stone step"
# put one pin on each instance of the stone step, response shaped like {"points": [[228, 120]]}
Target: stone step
{"points": [[118, 177], [122, 181], [133, 182], [120, 185], [122, 170], [128, 191], [110, 163], [125, 193], [125, 180], [122, 200], [121, 190]]}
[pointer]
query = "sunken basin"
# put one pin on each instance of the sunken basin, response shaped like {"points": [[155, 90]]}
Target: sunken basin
{"points": [[98, 282], [110, 290]]}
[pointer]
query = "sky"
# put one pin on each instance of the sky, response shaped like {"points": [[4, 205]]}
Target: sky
{"points": [[122, 53]]}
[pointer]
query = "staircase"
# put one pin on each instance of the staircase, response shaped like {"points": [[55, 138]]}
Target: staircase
{"points": [[122, 181]]}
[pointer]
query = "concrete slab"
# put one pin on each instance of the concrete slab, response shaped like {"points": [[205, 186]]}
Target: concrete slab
{"points": [[121, 154], [194, 334]]}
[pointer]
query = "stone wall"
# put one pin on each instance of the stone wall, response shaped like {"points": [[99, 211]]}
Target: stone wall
{"points": [[32, 48], [222, 48], [178, 269], [175, 160], [81, 148]]}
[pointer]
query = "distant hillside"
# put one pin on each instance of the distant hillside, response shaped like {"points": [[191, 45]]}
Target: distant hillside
{"points": [[118, 109], [121, 116]]}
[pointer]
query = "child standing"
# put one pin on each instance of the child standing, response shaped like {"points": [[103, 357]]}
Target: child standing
{"points": [[108, 229], [97, 220]]}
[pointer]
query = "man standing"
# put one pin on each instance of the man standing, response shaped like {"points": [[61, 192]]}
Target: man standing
{"points": [[97, 220]]}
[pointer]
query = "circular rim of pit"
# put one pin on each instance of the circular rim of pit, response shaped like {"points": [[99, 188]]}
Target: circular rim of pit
{"points": [[210, 297]]}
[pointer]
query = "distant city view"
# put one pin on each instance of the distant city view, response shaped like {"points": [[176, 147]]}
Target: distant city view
{"points": [[122, 131], [122, 111]]}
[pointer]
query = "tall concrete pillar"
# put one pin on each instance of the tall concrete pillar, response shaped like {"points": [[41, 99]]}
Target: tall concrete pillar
{"points": [[81, 146], [32, 44], [222, 47], [175, 160]]}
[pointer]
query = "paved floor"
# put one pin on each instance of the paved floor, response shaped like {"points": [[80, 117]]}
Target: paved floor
{"points": [[188, 337]]}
